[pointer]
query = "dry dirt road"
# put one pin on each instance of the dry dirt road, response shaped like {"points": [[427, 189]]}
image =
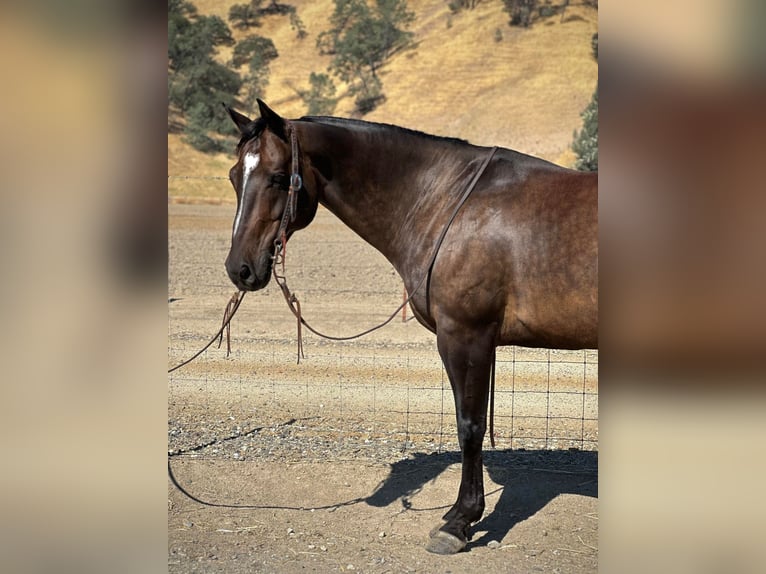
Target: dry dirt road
{"points": [[345, 462]]}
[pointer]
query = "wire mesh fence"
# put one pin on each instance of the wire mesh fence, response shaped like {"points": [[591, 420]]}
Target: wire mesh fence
{"points": [[542, 401], [388, 390]]}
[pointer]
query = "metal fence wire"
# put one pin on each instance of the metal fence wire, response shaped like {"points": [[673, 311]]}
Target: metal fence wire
{"points": [[388, 390]]}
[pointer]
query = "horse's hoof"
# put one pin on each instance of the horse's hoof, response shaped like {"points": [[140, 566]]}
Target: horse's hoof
{"points": [[435, 530], [444, 543]]}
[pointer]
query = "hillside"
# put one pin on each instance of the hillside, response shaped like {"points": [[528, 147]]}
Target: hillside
{"points": [[525, 92]]}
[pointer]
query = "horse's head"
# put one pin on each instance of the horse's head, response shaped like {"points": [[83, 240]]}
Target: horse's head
{"points": [[261, 178]]}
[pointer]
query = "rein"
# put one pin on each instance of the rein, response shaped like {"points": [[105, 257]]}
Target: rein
{"points": [[294, 305], [280, 243], [291, 208], [228, 314]]}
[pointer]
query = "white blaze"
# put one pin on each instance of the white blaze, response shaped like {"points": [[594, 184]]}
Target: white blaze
{"points": [[250, 163]]}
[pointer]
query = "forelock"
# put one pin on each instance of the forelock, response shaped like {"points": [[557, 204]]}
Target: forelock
{"points": [[252, 131]]}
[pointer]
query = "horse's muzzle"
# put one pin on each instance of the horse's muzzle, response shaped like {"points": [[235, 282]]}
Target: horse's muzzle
{"points": [[249, 277]]}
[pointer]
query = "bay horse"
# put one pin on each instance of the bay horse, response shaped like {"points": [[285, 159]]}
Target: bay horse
{"points": [[517, 264]]}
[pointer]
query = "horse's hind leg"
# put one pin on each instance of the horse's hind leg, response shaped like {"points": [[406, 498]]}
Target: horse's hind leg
{"points": [[467, 356]]}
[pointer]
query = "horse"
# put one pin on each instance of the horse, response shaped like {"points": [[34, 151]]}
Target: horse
{"points": [[507, 242]]}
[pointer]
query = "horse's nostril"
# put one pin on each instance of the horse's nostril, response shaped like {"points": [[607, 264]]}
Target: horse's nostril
{"points": [[244, 272]]}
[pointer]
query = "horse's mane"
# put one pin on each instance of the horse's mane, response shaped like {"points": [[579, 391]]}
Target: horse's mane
{"points": [[364, 125], [256, 127]]}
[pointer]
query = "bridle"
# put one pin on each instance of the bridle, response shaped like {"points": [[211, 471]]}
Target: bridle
{"points": [[291, 207]]}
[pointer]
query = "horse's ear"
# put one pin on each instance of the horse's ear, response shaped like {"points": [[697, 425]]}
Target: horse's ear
{"points": [[239, 119], [273, 120]]}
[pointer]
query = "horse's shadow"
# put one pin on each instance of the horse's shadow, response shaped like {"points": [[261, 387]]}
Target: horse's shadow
{"points": [[529, 480]]}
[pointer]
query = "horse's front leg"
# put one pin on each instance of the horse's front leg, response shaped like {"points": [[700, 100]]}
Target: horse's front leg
{"points": [[467, 355]]}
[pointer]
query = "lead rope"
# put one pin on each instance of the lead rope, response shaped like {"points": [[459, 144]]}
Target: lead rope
{"points": [[228, 314], [226, 322]]}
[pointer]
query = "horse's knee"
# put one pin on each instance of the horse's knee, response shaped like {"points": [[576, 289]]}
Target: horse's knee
{"points": [[470, 435]]}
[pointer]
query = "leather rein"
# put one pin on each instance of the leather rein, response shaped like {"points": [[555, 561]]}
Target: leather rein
{"points": [[280, 243]]}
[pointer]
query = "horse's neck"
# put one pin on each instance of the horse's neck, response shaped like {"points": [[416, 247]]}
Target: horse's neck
{"points": [[374, 188]]}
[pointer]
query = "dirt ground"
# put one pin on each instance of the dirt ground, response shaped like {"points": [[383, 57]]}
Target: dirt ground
{"points": [[346, 461]]}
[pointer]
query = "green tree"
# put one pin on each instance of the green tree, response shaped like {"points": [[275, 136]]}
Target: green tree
{"points": [[524, 12], [594, 45], [456, 6], [197, 84], [297, 24], [319, 99], [245, 16], [585, 143], [255, 52], [520, 11], [361, 40]]}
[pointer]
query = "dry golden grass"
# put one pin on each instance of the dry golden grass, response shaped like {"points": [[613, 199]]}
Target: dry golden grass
{"points": [[525, 92]]}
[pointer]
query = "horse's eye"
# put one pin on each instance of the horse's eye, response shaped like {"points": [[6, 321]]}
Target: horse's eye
{"points": [[279, 180]]}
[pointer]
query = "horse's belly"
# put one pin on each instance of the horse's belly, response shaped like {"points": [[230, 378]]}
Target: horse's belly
{"points": [[551, 326]]}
